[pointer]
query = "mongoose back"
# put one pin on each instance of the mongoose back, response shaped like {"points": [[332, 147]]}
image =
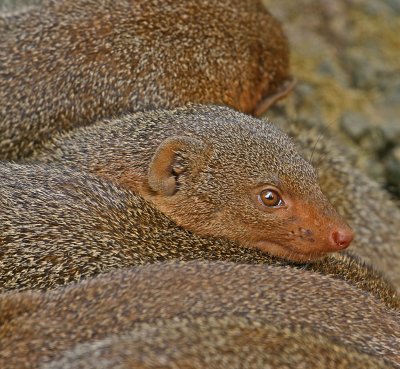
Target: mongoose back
{"points": [[216, 172], [67, 63], [42, 326], [58, 225]]}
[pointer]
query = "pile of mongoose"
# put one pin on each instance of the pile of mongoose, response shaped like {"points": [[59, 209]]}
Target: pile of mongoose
{"points": [[25, 129], [126, 159]]}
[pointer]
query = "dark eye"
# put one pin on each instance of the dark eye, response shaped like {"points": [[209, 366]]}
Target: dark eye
{"points": [[271, 198]]}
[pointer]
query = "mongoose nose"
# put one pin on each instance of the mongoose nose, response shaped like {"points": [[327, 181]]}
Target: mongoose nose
{"points": [[342, 238]]}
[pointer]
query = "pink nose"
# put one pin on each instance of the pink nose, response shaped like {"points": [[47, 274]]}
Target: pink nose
{"points": [[341, 238]]}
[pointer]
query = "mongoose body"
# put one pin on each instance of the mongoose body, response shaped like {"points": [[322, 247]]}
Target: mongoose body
{"points": [[216, 172], [215, 343], [67, 63], [42, 326], [58, 225]]}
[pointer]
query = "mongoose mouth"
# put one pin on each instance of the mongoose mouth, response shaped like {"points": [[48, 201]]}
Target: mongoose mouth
{"points": [[289, 251]]}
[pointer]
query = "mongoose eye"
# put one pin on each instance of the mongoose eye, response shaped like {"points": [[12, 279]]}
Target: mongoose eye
{"points": [[271, 198]]}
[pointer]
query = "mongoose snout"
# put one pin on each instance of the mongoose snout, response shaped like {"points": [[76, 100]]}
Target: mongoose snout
{"points": [[216, 172], [342, 237], [312, 230]]}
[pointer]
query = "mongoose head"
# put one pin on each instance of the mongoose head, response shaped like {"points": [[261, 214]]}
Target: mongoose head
{"points": [[243, 179], [216, 172]]}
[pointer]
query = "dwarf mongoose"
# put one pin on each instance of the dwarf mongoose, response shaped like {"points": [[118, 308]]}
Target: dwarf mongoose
{"points": [[65, 64], [216, 172], [37, 327], [58, 225]]}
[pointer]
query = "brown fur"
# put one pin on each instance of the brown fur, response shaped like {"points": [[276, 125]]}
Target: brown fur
{"points": [[65, 64], [40, 327], [58, 225], [372, 215], [205, 167], [215, 343]]}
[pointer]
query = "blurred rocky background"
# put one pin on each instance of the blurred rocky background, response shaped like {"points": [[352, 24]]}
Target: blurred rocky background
{"points": [[11, 5], [346, 58]]}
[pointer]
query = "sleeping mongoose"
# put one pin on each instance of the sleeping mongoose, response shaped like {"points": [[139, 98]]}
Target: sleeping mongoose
{"points": [[216, 172], [58, 225], [68, 63], [38, 327]]}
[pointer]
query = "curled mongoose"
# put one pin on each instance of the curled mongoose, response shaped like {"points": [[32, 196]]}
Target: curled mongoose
{"points": [[65, 64], [40, 327], [373, 216], [59, 225], [216, 172]]}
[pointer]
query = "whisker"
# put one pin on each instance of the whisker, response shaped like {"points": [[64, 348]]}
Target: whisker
{"points": [[324, 129]]}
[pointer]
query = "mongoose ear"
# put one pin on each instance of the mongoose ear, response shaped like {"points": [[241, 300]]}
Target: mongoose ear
{"points": [[171, 159]]}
